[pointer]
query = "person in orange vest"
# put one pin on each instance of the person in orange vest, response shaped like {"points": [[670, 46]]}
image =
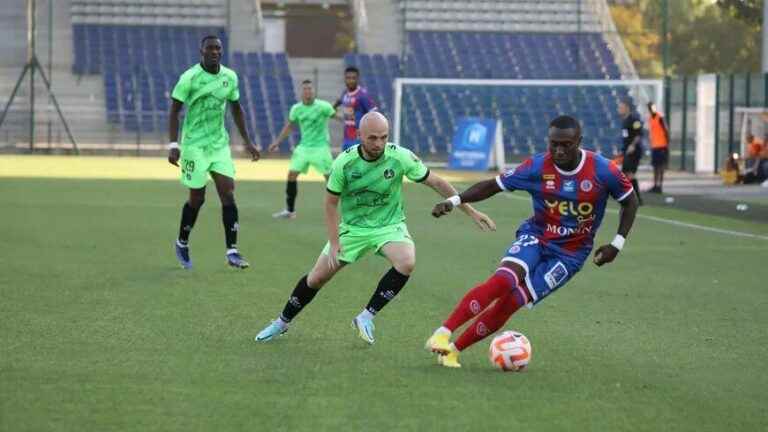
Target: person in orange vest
{"points": [[659, 137]]}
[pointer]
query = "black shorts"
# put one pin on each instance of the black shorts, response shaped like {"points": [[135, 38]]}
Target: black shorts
{"points": [[659, 157], [630, 163]]}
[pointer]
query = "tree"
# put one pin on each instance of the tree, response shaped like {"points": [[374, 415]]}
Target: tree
{"points": [[704, 36]]}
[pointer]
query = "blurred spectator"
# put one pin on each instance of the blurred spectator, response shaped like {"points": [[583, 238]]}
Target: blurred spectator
{"points": [[756, 161], [659, 137]]}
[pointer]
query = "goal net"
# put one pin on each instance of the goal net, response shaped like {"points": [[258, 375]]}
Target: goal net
{"points": [[751, 121], [427, 111]]}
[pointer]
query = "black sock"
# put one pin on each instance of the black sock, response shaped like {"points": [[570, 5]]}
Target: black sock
{"points": [[291, 190], [637, 188], [229, 217], [389, 285], [300, 297], [188, 218]]}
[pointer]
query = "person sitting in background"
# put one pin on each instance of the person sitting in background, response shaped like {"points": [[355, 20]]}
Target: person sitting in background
{"points": [[730, 172], [756, 161], [753, 149]]}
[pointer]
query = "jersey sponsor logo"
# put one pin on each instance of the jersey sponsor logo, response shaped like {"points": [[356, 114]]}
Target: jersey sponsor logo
{"points": [[389, 173], [548, 176], [563, 231], [550, 184], [586, 185], [556, 275], [570, 208], [569, 186]]}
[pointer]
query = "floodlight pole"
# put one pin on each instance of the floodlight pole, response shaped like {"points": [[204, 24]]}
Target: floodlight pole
{"points": [[32, 66]]}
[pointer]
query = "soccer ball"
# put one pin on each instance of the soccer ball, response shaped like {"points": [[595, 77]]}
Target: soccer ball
{"points": [[510, 351]]}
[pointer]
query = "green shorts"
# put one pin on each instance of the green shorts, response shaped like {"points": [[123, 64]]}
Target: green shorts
{"points": [[197, 163], [356, 242], [318, 157]]}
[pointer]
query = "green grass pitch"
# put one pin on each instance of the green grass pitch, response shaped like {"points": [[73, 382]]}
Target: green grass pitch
{"points": [[101, 330]]}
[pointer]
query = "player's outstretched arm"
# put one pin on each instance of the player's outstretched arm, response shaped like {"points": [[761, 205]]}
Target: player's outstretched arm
{"points": [[173, 132], [332, 226], [446, 190], [237, 116], [607, 253], [283, 135], [477, 192]]}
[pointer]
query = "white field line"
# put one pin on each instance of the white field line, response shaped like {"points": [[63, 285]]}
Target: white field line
{"points": [[670, 222]]}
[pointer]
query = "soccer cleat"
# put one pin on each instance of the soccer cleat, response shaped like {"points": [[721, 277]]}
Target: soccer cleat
{"points": [[182, 254], [451, 359], [273, 330], [234, 259], [439, 342], [364, 329], [284, 214]]}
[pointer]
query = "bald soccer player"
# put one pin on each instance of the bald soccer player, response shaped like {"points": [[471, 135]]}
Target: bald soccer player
{"points": [[367, 179]]}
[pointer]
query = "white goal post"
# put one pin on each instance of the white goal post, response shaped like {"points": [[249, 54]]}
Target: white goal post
{"points": [[642, 90]]}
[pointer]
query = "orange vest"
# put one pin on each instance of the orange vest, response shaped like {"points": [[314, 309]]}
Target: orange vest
{"points": [[658, 138]]}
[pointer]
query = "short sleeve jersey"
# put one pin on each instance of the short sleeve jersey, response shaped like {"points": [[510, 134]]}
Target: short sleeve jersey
{"points": [[313, 122], [354, 105], [631, 127], [206, 96], [370, 191], [568, 207]]}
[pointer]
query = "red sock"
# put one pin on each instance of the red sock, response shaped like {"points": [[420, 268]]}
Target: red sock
{"points": [[478, 298], [491, 320]]}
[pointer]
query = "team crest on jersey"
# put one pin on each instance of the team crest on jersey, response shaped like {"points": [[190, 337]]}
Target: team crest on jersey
{"points": [[550, 184], [514, 249], [586, 185], [225, 83], [569, 186], [389, 173]]}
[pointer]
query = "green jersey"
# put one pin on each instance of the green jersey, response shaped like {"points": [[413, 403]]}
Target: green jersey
{"points": [[205, 95], [371, 190], [313, 122]]}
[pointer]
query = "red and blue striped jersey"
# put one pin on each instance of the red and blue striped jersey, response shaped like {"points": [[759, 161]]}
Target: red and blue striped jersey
{"points": [[354, 105], [567, 206]]}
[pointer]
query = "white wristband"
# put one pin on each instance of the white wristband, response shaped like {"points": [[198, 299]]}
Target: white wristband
{"points": [[173, 145], [618, 241], [455, 200]]}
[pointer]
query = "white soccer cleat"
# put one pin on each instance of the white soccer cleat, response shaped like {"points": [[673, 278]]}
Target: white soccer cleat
{"points": [[284, 214]]}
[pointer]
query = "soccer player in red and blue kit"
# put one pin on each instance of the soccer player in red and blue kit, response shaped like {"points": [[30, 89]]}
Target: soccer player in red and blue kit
{"points": [[355, 103], [570, 188]]}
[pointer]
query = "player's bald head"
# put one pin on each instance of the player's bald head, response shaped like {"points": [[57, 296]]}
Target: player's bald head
{"points": [[373, 121], [374, 134]]}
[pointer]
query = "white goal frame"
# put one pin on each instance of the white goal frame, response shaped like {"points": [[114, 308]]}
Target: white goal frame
{"points": [[399, 83]]}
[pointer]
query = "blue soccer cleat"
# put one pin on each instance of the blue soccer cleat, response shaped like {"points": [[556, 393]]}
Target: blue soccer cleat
{"points": [[234, 259], [364, 327], [182, 254], [273, 330]]}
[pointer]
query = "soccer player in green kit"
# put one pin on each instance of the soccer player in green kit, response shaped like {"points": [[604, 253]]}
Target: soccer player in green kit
{"points": [[367, 179], [206, 88], [314, 149]]}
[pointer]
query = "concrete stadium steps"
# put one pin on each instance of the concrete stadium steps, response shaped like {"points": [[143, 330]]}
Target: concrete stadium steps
{"points": [[384, 34]]}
